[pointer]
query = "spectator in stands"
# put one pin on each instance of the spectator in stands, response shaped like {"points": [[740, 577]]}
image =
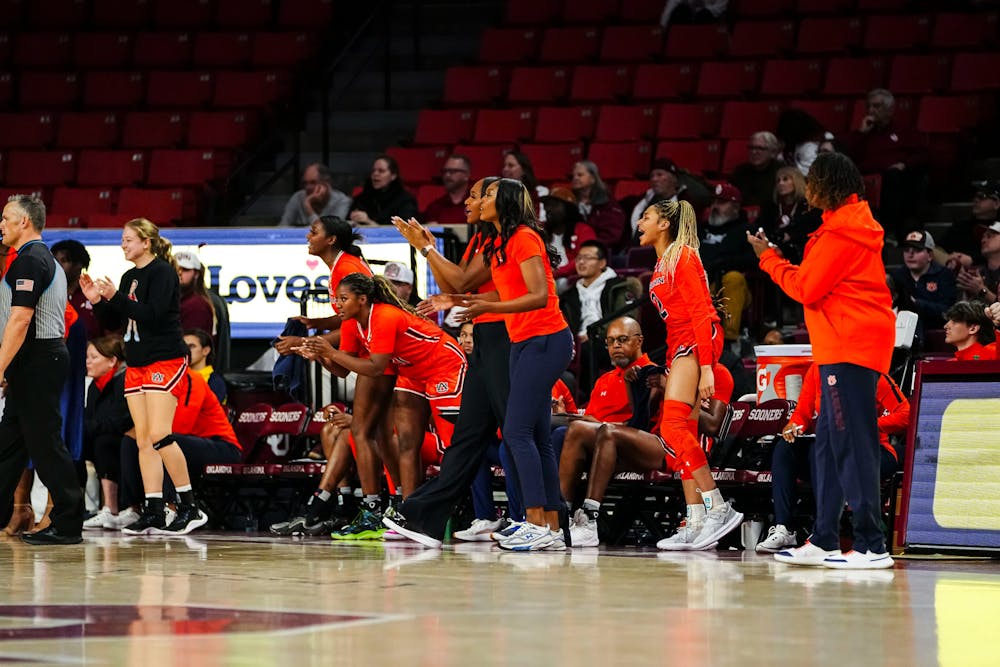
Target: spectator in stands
{"points": [[960, 246], [383, 195], [566, 232], [598, 208], [518, 166], [196, 306], [664, 185], [983, 282], [317, 197], [449, 208], [591, 298], [841, 285], [792, 458], [726, 256], [993, 312], [692, 11], [755, 177], [800, 135], [970, 330], [105, 422], [401, 277], [829, 144], [201, 357], [74, 258], [787, 219], [930, 286], [881, 145]]}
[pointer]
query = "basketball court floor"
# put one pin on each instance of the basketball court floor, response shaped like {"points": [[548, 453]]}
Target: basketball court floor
{"points": [[235, 599]]}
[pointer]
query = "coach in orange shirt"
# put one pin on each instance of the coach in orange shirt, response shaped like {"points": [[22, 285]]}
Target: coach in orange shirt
{"points": [[848, 311]]}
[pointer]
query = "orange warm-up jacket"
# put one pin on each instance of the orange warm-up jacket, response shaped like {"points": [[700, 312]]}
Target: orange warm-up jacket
{"points": [[841, 286]]}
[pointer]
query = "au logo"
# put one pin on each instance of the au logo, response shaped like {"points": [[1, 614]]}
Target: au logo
{"points": [[156, 377]]}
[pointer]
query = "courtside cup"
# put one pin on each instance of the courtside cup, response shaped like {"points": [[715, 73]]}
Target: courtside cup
{"points": [[780, 369]]}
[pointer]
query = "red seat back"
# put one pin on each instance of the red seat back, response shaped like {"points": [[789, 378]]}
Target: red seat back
{"points": [[553, 162], [162, 49], [221, 49], [102, 50], [249, 425], [26, 130], [569, 45], [444, 126], [625, 123], [664, 82], [600, 83], [504, 125], [81, 201], [509, 45], [688, 121], [40, 168], [564, 124], [113, 90], [153, 129], [540, 85], [111, 168], [93, 129], [621, 160]]}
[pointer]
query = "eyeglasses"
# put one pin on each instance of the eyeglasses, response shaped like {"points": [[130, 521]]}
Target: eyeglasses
{"points": [[620, 340]]}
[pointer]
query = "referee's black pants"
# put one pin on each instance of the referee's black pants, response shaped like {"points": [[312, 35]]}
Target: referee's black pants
{"points": [[32, 427], [484, 406]]}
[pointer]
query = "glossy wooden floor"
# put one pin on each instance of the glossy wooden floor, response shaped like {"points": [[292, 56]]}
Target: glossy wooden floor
{"points": [[234, 599]]}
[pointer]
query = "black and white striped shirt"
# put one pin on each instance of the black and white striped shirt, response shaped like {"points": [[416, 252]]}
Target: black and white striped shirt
{"points": [[36, 280]]}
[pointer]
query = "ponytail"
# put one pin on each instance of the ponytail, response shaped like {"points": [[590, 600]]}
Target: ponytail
{"points": [[347, 236], [158, 246], [683, 227], [377, 288]]}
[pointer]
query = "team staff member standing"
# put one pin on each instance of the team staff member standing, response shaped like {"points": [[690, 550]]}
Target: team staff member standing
{"points": [[147, 307], [841, 285], [35, 362]]}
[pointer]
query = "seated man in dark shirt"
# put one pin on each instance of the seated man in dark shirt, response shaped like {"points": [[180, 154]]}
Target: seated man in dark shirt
{"points": [[726, 255], [931, 287], [960, 245]]}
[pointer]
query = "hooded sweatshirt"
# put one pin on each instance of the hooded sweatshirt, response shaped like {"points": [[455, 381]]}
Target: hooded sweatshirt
{"points": [[590, 298], [841, 285]]}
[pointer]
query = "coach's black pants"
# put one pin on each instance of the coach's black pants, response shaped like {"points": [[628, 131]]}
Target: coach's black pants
{"points": [[484, 406], [32, 427], [198, 453]]}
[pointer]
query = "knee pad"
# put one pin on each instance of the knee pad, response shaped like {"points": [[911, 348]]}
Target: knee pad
{"points": [[676, 432], [168, 439]]}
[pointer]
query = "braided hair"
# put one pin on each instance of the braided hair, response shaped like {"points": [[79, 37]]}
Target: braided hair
{"points": [[377, 288], [683, 227]]}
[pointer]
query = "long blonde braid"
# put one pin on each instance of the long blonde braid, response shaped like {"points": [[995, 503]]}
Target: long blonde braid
{"points": [[683, 228]]}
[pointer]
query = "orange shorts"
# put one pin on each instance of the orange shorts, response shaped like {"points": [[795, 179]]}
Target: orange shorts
{"points": [[159, 376], [682, 344]]}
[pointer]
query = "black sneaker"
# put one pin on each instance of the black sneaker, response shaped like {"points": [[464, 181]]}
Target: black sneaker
{"points": [[367, 525], [294, 526], [151, 522], [397, 522], [188, 518], [50, 535]]}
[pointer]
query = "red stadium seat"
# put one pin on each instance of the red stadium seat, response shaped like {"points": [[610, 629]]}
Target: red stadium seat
{"points": [[63, 221], [81, 201], [542, 85], [111, 168], [509, 45], [102, 50], [741, 119], [183, 167], [628, 160], [947, 114], [170, 90], [532, 12], [5, 46], [113, 90], [168, 50], [106, 220], [6, 89], [791, 77], [664, 82], [762, 38], [600, 83], [56, 13], [89, 129], [282, 49], [974, 72], [854, 76], [734, 154], [428, 193], [631, 43], [910, 75], [26, 130], [445, 126], [242, 14], [963, 31], [727, 79], [553, 162], [240, 90], [48, 90], [699, 157], [170, 205], [625, 123], [832, 114], [43, 50], [688, 121], [221, 129], [419, 165], [696, 42], [486, 159], [40, 168], [627, 187], [221, 49], [495, 126], [249, 425], [828, 35], [823, 6], [564, 124], [121, 14], [153, 129], [896, 32], [311, 14], [755, 8], [589, 11], [569, 45], [472, 85], [173, 14], [641, 11]]}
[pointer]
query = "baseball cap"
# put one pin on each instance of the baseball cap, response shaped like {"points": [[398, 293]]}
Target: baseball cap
{"points": [[187, 260], [666, 164], [988, 188], [993, 227], [728, 192], [919, 239], [398, 272]]}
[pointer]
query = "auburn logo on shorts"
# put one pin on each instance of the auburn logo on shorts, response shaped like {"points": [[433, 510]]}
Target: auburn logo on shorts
{"points": [[441, 387], [831, 380], [156, 377]]}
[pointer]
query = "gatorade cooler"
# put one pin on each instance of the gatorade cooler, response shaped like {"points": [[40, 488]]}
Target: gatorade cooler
{"points": [[780, 369]]}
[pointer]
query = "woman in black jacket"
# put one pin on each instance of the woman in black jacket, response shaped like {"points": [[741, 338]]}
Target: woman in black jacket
{"points": [[383, 196], [106, 419]]}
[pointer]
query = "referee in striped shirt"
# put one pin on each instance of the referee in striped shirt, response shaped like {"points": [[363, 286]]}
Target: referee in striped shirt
{"points": [[34, 361]]}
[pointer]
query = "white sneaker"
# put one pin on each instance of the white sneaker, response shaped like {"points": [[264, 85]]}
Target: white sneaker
{"points": [[558, 542], [479, 531], [126, 517], [682, 540], [101, 520], [778, 537], [506, 531], [807, 554], [528, 537], [583, 531], [855, 560], [718, 523], [393, 536]]}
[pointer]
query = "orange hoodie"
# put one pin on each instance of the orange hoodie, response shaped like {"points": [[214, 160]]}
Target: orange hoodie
{"points": [[841, 285]]}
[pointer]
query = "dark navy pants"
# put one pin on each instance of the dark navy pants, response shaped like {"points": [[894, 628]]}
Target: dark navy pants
{"points": [[535, 365], [482, 486], [847, 457]]}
